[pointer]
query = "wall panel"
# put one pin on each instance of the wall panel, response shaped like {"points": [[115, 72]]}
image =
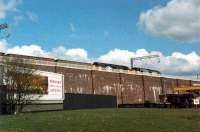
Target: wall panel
{"points": [[133, 92], [76, 81], [152, 89]]}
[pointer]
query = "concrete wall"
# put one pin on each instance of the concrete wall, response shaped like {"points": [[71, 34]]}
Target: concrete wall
{"points": [[181, 83], [76, 81], [129, 88], [152, 88], [105, 83], [168, 85], [132, 89]]}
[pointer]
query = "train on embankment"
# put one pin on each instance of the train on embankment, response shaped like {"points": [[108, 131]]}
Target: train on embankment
{"points": [[135, 86]]}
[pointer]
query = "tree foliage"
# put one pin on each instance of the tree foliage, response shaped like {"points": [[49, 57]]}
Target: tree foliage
{"points": [[21, 84]]}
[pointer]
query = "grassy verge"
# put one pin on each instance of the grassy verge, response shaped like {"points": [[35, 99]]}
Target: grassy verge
{"points": [[108, 120]]}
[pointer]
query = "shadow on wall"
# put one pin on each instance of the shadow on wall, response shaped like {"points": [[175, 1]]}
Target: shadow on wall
{"points": [[3, 108]]}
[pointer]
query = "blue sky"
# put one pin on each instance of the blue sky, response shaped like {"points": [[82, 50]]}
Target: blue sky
{"points": [[100, 27]]}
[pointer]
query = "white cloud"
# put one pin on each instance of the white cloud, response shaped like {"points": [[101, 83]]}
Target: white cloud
{"points": [[176, 64], [7, 6], [117, 56], [72, 30], [3, 45], [34, 50], [76, 54], [72, 27], [32, 16], [178, 19], [18, 19], [182, 63], [106, 34], [122, 57]]}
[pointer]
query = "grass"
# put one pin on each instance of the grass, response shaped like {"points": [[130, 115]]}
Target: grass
{"points": [[104, 120]]}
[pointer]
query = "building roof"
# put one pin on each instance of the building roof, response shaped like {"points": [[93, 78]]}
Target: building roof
{"points": [[30, 57], [73, 62]]}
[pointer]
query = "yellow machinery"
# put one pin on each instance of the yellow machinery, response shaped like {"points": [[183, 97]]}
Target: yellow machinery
{"points": [[193, 90], [188, 88], [187, 96]]}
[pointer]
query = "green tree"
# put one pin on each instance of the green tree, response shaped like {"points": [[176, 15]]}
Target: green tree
{"points": [[20, 83]]}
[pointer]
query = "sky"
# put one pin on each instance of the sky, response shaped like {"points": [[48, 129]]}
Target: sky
{"points": [[110, 31]]}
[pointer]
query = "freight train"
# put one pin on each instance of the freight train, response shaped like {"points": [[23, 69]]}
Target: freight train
{"points": [[130, 86]]}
